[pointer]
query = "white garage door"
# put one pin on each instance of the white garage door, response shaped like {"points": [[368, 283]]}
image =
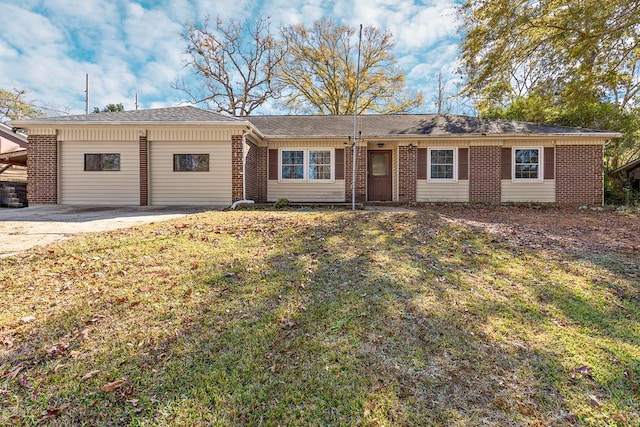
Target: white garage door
{"points": [[117, 184], [197, 187]]}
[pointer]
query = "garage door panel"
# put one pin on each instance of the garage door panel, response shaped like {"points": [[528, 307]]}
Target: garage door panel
{"points": [[190, 188], [80, 187]]}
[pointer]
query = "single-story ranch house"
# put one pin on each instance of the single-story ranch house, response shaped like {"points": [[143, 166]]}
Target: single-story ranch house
{"points": [[189, 156]]}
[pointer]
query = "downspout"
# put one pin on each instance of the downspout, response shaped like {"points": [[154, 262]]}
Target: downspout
{"points": [[245, 151]]}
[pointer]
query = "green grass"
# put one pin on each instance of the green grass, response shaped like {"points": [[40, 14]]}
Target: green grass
{"points": [[317, 318]]}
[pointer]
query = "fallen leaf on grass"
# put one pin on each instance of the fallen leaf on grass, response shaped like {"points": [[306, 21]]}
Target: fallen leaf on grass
{"points": [[7, 341], [84, 334], [581, 371], [57, 349], [594, 401], [112, 386], [13, 373], [96, 318], [90, 374], [24, 382], [27, 319], [57, 410]]}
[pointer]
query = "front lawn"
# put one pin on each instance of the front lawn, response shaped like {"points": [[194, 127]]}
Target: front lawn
{"points": [[442, 316]]}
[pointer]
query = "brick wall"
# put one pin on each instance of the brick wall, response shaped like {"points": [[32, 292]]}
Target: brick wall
{"points": [[407, 173], [256, 170], [579, 174], [251, 172], [361, 174], [261, 175], [144, 175], [42, 174], [236, 167], [485, 174]]}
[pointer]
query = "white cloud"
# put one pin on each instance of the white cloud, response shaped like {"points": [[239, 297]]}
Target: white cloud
{"points": [[426, 26], [130, 47]]}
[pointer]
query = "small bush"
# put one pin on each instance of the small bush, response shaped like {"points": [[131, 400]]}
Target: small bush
{"points": [[281, 203]]}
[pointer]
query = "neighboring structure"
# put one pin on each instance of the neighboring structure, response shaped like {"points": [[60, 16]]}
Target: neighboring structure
{"points": [[13, 147], [13, 160], [629, 173], [185, 155]]}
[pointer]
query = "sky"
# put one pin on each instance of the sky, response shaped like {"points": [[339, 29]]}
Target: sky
{"points": [[131, 48]]}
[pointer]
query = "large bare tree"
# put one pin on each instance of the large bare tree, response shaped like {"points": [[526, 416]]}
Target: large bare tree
{"points": [[319, 71], [233, 64]]}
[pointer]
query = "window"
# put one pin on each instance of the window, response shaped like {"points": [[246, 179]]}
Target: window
{"points": [[306, 165], [191, 163], [102, 162], [442, 164], [527, 164], [320, 164], [292, 164]]}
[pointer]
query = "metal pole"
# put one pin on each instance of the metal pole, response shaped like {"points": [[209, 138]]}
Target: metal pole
{"points": [[86, 98], [355, 128]]}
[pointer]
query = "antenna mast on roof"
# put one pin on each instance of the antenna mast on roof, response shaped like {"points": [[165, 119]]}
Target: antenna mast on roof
{"points": [[355, 127], [86, 97]]}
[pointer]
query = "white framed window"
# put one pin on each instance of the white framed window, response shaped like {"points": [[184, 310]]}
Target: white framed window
{"points": [[306, 164], [292, 164], [527, 164], [442, 164]]}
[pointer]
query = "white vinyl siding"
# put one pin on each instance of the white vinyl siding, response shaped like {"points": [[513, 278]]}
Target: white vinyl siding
{"points": [[193, 188], [303, 192], [430, 191], [80, 187], [518, 191]]}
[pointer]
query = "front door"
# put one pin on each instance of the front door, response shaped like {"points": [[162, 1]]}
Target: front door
{"points": [[379, 186]]}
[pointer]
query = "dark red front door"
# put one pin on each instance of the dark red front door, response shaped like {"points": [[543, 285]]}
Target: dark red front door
{"points": [[379, 186]]}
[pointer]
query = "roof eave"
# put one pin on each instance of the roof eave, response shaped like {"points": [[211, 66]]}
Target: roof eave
{"points": [[31, 124], [603, 136]]}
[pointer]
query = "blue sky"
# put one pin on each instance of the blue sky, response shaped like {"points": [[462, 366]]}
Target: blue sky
{"points": [[134, 47]]}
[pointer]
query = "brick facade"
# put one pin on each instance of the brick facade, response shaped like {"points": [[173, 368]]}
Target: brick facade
{"points": [[361, 174], [579, 174], [236, 168], [261, 175], [407, 173], [144, 171], [42, 175], [485, 174], [256, 173]]}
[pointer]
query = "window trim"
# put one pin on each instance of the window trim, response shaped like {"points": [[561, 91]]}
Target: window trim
{"points": [[101, 162], [454, 179], [305, 163], [173, 158], [540, 177]]}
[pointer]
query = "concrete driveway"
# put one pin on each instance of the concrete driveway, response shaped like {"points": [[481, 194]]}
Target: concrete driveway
{"points": [[22, 229]]}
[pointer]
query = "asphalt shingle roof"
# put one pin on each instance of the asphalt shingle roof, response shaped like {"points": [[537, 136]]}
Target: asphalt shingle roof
{"points": [[402, 124], [332, 126], [183, 114]]}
